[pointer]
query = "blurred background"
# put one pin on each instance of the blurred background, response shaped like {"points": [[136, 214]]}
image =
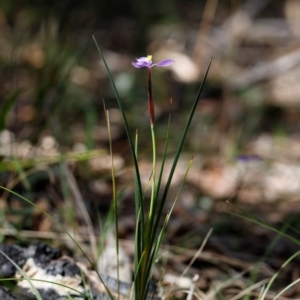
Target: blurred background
{"points": [[244, 137]]}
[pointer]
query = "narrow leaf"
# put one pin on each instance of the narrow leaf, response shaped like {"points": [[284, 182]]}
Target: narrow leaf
{"points": [[124, 119], [7, 107], [179, 149]]}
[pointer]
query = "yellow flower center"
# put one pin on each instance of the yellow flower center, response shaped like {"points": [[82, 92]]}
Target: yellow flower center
{"points": [[149, 57]]}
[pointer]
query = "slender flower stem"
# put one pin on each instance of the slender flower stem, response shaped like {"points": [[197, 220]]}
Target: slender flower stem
{"points": [[151, 113], [152, 202], [150, 97]]}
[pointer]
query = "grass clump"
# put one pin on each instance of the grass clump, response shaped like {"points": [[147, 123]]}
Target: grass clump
{"points": [[148, 233]]}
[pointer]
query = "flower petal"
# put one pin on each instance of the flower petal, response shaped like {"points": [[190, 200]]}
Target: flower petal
{"points": [[142, 62], [142, 59], [137, 65], [164, 63]]}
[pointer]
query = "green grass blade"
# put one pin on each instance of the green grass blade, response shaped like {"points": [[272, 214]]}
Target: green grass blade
{"points": [[132, 149], [13, 165], [6, 108], [138, 253], [261, 223], [153, 255], [178, 152], [162, 231], [254, 273], [139, 202], [277, 273], [22, 174]]}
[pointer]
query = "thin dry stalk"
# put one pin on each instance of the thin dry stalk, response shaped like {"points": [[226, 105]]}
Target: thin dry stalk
{"points": [[250, 289], [197, 253], [79, 200], [204, 30]]}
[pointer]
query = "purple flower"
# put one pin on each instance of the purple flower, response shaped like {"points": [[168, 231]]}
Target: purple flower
{"points": [[147, 62]]}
